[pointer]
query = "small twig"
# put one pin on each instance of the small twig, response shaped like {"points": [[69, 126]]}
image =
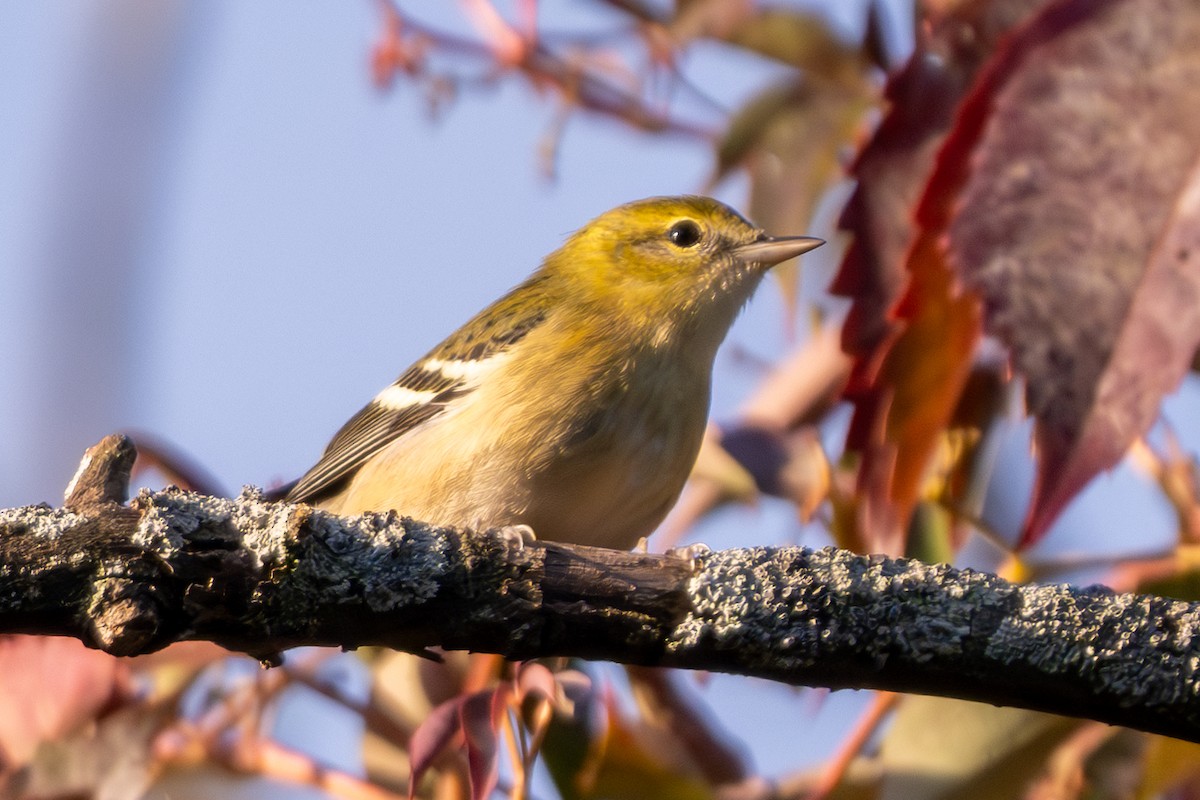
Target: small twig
{"points": [[516, 752], [376, 721], [544, 67], [154, 453], [269, 759], [103, 475], [834, 770]]}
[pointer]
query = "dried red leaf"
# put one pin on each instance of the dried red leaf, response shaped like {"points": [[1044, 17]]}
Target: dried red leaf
{"points": [[387, 54], [920, 380], [895, 165], [1080, 224], [907, 386]]}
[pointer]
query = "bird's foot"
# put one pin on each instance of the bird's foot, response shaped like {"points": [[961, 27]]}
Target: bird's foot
{"points": [[515, 536], [691, 553]]}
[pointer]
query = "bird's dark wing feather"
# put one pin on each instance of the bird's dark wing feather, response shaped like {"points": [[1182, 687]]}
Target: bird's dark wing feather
{"points": [[425, 390]]}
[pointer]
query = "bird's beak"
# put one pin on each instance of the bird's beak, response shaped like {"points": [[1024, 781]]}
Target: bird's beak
{"points": [[767, 251]]}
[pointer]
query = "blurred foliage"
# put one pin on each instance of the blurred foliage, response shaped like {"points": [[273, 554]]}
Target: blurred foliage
{"points": [[1028, 173]]}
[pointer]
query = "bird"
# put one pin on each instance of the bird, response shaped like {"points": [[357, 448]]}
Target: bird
{"points": [[574, 406]]}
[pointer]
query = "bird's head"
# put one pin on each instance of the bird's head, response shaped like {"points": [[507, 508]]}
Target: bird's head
{"points": [[671, 257]]}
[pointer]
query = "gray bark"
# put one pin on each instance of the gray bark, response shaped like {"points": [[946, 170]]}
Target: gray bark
{"points": [[260, 577]]}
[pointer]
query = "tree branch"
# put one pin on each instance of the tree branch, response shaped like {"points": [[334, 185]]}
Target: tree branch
{"points": [[260, 577]]}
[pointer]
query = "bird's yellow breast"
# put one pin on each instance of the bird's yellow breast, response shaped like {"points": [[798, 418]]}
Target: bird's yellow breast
{"points": [[607, 481]]}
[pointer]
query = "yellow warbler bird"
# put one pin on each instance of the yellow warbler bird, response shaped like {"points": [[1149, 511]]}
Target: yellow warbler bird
{"points": [[576, 403]]}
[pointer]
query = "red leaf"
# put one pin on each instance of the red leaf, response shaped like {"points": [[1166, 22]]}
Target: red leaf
{"points": [[50, 686], [477, 716], [430, 738], [480, 716], [923, 372], [910, 361], [534, 679], [896, 163], [1080, 222]]}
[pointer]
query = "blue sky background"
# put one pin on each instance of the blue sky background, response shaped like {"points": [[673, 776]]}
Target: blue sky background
{"points": [[260, 238], [215, 228]]}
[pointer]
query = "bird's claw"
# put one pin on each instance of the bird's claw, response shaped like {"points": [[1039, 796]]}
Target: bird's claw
{"points": [[692, 554], [515, 536]]}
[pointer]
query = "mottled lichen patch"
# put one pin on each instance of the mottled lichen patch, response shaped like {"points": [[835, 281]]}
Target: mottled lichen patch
{"points": [[170, 516], [387, 560], [1092, 632], [39, 522], [740, 603], [267, 527], [795, 606]]}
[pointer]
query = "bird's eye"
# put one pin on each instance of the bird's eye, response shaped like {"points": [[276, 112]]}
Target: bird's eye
{"points": [[684, 233]]}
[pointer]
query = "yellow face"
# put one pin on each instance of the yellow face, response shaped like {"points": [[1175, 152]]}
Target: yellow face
{"points": [[668, 255], [659, 242]]}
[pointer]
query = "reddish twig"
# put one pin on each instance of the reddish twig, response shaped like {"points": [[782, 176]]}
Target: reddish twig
{"points": [[573, 77]]}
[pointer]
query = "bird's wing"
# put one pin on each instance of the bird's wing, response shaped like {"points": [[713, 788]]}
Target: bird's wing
{"points": [[428, 388]]}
